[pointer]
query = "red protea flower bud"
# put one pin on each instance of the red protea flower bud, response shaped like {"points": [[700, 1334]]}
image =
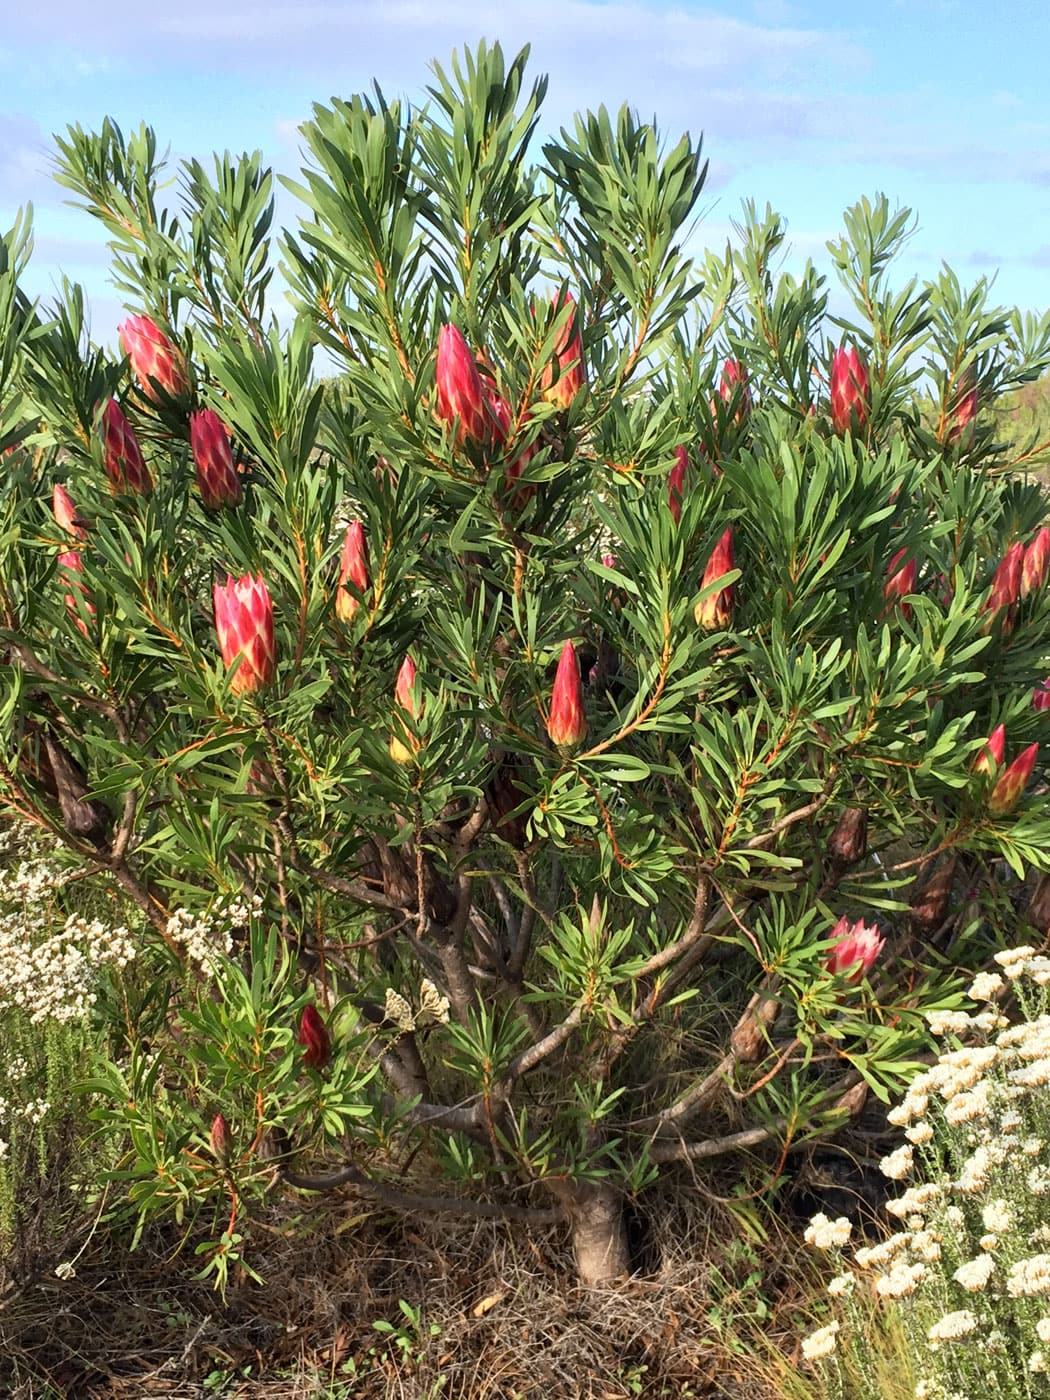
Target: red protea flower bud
{"points": [[460, 392], [854, 950], [314, 1038], [676, 482], [564, 377], [77, 600], [1006, 590], [65, 513], [405, 702], [1041, 695], [125, 468], [716, 610], [244, 625], [502, 421], [961, 410], [1034, 564], [991, 756], [848, 841], [850, 391], [217, 478], [567, 724], [219, 1139], [155, 360], [733, 385], [353, 568], [900, 581], [1011, 784]]}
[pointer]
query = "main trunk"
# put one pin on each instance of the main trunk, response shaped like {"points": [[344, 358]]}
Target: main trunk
{"points": [[599, 1234]]}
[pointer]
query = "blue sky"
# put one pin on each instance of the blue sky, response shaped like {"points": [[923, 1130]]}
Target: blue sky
{"points": [[806, 104]]}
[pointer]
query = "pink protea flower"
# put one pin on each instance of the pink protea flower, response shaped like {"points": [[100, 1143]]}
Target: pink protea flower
{"points": [[676, 482], [1012, 782], [77, 598], [125, 468], [1041, 695], [65, 513], [353, 568], [502, 422], [460, 392], [961, 411], [155, 360], [900, 581], [565, 376], [314, 1038], [1002, 600], [855, 949], [405, 702], [219, 1139], [716, 610], [991, 756], [244, 626], [567, 724], [217, 478], [1034, 564], [734, 383], [850, 391]]}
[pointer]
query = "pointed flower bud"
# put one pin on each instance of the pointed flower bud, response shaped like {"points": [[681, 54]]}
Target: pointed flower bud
{"points": [[244, 625], [1041, 695], [405, 702], [961, 409], [65, 513], [1034, 564], [353, 569], [1005, 591], [567, 724], [850, 391], [676, 482], [933, 891], [991, 756], [716, 610], [460, 392], [126, 470], [1012, 782], [217, 478], [564, 377], [76, 601], [219, 1140], [733, 385], [155, 360], [848, 841], [855, 949], [900, 581], [314, 1038]]}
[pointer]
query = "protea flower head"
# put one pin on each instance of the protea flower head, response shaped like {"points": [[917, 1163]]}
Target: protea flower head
{"points": [[716, 610], [855, 949], [353, 568], [314, 1038], [733, 384], [961, 409], [991, 756], [217, 478], [155, 360], [564, 377], [502, 422], [219, 1139], [567, 723], [676, 482], [125, 468], [900, 581], [405, 702], [1041, 695], [79, 600], [65, 513], [848, 841], [1005, 591], [244, 625], [460, 392], [1034, 564], [1011, 783], [850, 391]]}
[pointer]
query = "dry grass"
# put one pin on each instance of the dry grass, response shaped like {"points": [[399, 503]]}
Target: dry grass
{"points": [[498, 1317]]}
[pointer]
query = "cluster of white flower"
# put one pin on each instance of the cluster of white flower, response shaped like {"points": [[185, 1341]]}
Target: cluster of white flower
{"points": [[823, 1233], [206, 936], [820, 1343], [970, 1253], [55, 977]]}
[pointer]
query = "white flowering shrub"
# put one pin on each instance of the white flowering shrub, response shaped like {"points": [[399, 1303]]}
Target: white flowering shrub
{"points": [[968, 1270]]}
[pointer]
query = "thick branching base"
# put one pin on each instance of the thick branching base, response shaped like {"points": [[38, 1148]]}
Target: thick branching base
{"points": [[599, 1235]]}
